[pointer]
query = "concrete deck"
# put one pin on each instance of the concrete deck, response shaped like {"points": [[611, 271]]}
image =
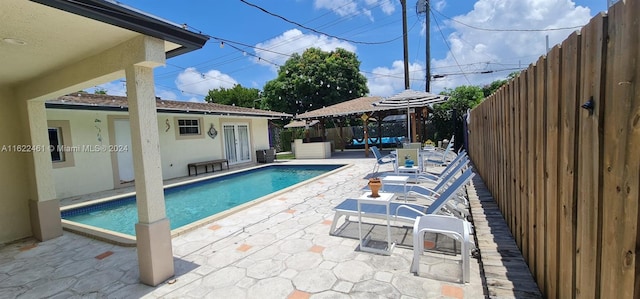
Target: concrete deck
{"points": [[280, 248]]}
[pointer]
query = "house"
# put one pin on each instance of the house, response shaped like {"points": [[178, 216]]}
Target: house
{"points": [[91, 139], [51, 48]]}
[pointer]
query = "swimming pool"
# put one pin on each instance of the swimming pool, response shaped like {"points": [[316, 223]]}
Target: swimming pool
{"points": [[192, 202]]}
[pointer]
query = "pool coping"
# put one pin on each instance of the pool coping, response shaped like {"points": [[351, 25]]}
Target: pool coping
{"points": [[126, 240]]}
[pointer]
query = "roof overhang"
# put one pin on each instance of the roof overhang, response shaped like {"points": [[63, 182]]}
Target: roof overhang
{"points": [[120, 15], [41, 37], [85, 101]]}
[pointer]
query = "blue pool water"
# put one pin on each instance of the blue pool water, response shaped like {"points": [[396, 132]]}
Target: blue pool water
{"points": [[189, 203]]}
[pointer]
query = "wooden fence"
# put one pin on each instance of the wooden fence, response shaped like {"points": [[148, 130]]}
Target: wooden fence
{"points": [[559, 149]]}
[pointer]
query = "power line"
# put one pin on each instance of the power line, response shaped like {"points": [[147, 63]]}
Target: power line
{"points": [[506, 30], [448, 46], [312, 29]]}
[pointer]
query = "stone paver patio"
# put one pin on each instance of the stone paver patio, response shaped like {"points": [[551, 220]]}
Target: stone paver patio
{"points": [[280, 248]]}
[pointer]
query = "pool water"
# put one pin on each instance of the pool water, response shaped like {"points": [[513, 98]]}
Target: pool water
{"points": [[192, 202]]}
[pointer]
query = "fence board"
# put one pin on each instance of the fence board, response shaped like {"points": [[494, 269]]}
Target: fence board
{"points": [[621, 160], [539, 195], [554, 81], [518, 153], [589, 196], [500, 150], [508, 103], [531, 173], [524, 205], [517, 216], [566, 176]]}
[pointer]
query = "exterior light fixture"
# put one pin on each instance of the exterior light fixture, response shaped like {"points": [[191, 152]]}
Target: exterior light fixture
{"points": [[14, 41]]}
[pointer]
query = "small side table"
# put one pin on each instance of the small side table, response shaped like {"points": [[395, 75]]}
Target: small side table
{"points": [[385, 200], [396, 180], [404, 169]]}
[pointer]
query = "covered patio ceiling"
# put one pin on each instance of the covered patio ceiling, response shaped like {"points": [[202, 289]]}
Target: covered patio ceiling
{"points": [[42, 37]]}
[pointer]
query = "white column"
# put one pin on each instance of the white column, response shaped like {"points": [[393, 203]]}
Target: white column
{"points": [[44, 207], [153, 233]]}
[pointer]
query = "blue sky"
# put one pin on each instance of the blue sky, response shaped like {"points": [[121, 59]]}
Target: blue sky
{"points": [[472, 42]]}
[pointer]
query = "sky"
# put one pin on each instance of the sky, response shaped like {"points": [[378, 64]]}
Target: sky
{"points": [[471, 42]]}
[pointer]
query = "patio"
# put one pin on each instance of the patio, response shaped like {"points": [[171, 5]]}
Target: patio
{"points": [[280, 248]]}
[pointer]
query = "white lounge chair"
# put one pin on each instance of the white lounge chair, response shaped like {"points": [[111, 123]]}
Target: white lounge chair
{"points": [[460, 158], [402, 211], [436, 159], [420, 190]]}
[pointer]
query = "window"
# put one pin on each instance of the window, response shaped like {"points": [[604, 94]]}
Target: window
{"points": [[189, 126], [60, 143], [55, 140]]}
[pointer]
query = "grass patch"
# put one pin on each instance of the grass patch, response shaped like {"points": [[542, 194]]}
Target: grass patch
{"points": [[287, 156]]}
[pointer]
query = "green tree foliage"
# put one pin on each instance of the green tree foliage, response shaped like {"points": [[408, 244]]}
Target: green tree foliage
{"points": [[238, 96], [495, 85], [447, 117], [489, 89], [100, 91], [315, 79]]}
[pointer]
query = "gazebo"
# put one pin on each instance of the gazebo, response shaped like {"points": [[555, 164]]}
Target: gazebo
{"points": [[416, 103]]}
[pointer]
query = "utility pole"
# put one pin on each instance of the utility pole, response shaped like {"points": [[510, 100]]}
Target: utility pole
{"points": [[427, 24], [405, 43], [422, 7]]}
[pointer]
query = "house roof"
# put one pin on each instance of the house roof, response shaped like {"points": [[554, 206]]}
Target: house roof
{"points": [[86, 101]]}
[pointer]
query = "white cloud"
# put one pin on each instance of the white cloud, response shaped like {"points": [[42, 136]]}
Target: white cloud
{"points": [[350, 8], [166, 94], [195, 100], [389, 81], [340, 7], [502, 49], [114, 88], [197, 83], [294, 41]]}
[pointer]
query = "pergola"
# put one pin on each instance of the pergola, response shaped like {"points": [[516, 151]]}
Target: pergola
{"points": [[379, 108]]}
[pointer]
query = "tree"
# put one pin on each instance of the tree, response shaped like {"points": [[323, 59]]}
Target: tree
{"points": [[238, 96], [100, 90], [490, 88], [447, 117], [315, 79]]}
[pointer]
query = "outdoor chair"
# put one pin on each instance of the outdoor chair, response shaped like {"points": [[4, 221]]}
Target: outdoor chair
{"points": [[445, 182], [455, 228], [411, 153], [437, 159], [404, 212], [381, 160], [434, 177]]}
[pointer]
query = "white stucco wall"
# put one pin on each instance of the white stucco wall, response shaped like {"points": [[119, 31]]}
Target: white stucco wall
{"points": [[93, 172], [260, 135], [177, 152], [14, 214]]}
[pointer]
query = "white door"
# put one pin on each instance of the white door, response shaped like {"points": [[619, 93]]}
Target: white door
{"points": [[122, 130], [236, 143]]}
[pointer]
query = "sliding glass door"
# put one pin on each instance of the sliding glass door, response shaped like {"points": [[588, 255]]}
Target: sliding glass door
{"points": [[236, 143]]}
